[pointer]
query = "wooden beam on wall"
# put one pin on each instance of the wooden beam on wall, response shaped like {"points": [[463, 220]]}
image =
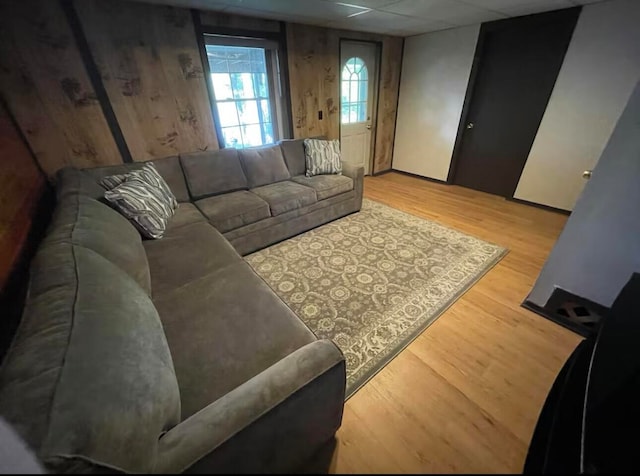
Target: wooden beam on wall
{"points": [[150, 64], [47, 89]]}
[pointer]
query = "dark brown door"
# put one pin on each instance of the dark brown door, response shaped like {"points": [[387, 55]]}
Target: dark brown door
{"points": [[517, 66]]}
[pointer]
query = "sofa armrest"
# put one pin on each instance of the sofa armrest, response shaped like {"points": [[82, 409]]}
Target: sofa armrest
{"points": [[271, 423], [356, 172]]}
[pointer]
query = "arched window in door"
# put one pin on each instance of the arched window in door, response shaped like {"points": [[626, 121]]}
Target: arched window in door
{"points": [[354, 91]]}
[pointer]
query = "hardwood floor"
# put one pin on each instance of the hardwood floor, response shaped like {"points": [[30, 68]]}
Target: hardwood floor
{"points": [[466, 394]]}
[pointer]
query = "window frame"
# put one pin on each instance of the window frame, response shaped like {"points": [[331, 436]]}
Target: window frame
{"points": [[276, 77]]}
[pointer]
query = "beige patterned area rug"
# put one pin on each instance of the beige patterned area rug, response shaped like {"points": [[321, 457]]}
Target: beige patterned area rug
{"points": [[374, 280]]}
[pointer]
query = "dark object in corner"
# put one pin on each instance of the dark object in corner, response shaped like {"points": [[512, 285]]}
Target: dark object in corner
{"points": [[591, 416]]}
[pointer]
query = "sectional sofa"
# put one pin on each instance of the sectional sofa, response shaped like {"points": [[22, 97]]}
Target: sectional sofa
{"points": [[172, 355]]}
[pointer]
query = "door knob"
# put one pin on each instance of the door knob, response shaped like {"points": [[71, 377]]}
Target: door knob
{"points": [[470, 125], [587, 174], [368, 127]]}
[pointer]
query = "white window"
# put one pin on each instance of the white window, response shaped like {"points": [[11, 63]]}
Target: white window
{"points": [[244, 91], [354, 91]]}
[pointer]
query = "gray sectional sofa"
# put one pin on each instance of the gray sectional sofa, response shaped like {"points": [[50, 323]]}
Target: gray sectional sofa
{"points": [[172, 355]]}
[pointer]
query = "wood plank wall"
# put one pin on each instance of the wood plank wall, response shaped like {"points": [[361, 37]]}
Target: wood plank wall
{"points": [[148, 61], [21, 185], [314, 74], [46, 86], [150, 65]]}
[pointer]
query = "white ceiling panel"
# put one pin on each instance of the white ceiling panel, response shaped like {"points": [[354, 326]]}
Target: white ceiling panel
{"points": [[373, 4], [453, 12], [389, 23], [307, 8], [393, 17], [528, 7]]}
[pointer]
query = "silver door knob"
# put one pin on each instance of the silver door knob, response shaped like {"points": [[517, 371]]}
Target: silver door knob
{"points": [[587, 174], [368, 127], [470, 125]]}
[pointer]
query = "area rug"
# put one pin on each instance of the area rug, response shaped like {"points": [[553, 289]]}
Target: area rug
{"points": [[374, 280]]}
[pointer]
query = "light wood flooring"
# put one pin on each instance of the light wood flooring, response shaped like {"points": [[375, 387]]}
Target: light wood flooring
{"points": [[465, 395]]}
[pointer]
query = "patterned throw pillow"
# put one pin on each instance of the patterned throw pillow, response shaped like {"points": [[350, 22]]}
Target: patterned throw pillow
{"points": [[322, 157], [112, 181], [149, 174], [146, 206]]}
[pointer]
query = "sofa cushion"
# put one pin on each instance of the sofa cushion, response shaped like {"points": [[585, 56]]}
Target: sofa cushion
{"points": [[171, 171], [89, 375], [233, 210], [285, 196], [186, 214], [84, 221], [293, 152], [326, 185], [213, 172], [224, 329], [187, 254], [263, 165]]}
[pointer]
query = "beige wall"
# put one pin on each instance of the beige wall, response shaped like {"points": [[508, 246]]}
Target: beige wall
{"points": [[599, 72], [435, 73]]}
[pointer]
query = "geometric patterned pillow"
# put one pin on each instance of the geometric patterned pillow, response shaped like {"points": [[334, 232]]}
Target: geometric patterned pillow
{"points": [[148, 207], [148, 173], [322, 157], [112, 181]]}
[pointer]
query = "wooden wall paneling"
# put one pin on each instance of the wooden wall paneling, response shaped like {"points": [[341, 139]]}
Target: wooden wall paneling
{"points": [[47, 89], [313, 57], [21, 185], [238, 22], [391, 64], [150, 64], [314, 63]]}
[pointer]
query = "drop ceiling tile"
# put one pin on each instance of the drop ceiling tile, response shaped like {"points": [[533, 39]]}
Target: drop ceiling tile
{"points": [[538, 6], [390, 24], [307, 8], [450, 11], [498, 5], [366, 3]]}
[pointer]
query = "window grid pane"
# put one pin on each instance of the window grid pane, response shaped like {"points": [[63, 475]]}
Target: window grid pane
{"points": [[354, 91], [241, 89]]}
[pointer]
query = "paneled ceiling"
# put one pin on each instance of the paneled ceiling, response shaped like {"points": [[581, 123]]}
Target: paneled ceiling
{"points": [[392, 17]]}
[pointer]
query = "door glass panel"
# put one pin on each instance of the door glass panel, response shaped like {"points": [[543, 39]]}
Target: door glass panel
{"points": [[354, 91]]}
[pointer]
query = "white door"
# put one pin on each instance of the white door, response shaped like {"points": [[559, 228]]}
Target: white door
{"points": [[358, 97]]}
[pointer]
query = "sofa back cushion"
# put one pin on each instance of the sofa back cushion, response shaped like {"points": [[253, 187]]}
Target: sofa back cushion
{"points": [[89, 376], [86, 222], [213, 172], [168, 167], [293, 151], [264, 165]]}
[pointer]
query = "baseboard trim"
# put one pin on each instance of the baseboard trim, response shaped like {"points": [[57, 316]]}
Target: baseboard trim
{"points": [[382, 172], [409, 174], [539, 205], [533, 307]]}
